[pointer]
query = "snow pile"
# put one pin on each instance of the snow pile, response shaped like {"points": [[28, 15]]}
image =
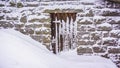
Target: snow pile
{"points": [[20, 51]]}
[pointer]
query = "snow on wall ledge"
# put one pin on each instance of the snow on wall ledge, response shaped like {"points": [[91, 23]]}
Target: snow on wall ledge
{"points": [[98, 24]]}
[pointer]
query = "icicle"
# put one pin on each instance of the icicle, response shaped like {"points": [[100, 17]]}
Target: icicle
{"points": [[59, 36], [65, 30], [56, 38], [67, 26]]}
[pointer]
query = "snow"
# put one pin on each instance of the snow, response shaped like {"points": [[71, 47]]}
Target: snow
{"points": [[14, 14], [119, 42], [99, 17], [86, 19], [108, 38], [41, 29], [115, 31], [72, 56], [30, 17], [90, 1], [20, 51], [116, 18], [104, 25]]}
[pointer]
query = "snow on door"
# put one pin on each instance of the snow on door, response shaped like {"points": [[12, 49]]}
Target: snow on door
{"points": [[63, 31]]}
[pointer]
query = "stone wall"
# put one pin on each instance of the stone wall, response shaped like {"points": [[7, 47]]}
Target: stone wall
{"points": [[98, 25], [29, 20], [99, 31]]}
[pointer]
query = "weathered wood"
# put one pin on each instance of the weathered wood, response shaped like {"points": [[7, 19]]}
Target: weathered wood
{"points": [[62, 36]]}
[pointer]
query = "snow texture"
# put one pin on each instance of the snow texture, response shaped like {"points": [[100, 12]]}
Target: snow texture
{"points": [[20, 51]]}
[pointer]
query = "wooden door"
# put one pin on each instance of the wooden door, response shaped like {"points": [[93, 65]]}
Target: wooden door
{"points": [[63, 31]]}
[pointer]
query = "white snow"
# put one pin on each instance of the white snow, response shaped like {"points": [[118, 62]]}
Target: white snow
{"points": [[115, 31], [86, 19], [108, 38], [14, 14], [30, 17], [104, 25], [20, 51]]}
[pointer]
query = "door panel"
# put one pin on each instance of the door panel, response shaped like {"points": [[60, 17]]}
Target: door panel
{"points": [[63, 31]]}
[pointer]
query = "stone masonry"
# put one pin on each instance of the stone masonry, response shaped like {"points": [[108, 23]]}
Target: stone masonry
{"points": [[98, 24]]}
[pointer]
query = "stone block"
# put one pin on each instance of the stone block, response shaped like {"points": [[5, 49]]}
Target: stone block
{"points": [[90, 14], [32, 5], [106, 34], [1, 5], [82, 33], [104, 27], [84, 42], [6, 24], [2, 17], [46, 39], [99, 49], [38, 32], [47, 25], [33, 25], [85, 21], [6, 11], [113, 22], [115, 33], [30, 26], [91, 28], [11, 18], [23, 31], [99, 42], [114, 50], [37, 25], [34, 20], [19, 25], [37, 37], [45, 20], [91, 42], [46, 32], [99, 20], [105, 56], [99, 7], [87, 3], [118, 1], [20, 5], [95, 36], [23, 19], [110, 41], [86, 36], [81, 28], [84, 50], [79, 37], [110, 13], [29, 31], [116, 26]]}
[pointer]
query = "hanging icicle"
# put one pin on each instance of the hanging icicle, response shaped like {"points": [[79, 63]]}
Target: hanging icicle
{"points": [[63, 31]]}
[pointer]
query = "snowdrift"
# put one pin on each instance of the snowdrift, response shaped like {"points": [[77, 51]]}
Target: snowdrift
{"points": [[20, 51]]}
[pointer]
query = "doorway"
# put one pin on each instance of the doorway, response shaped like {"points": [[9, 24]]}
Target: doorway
{"points": [[63, 31]]}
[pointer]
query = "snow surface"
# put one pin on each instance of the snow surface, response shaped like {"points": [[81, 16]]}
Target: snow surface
{"points": [[20, 51]]}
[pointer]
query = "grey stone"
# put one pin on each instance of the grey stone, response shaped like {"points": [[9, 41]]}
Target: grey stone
{"points": [[6, 24], [104, 28], [23, 19], [99, 49], [114, 50], [84, 50]]}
